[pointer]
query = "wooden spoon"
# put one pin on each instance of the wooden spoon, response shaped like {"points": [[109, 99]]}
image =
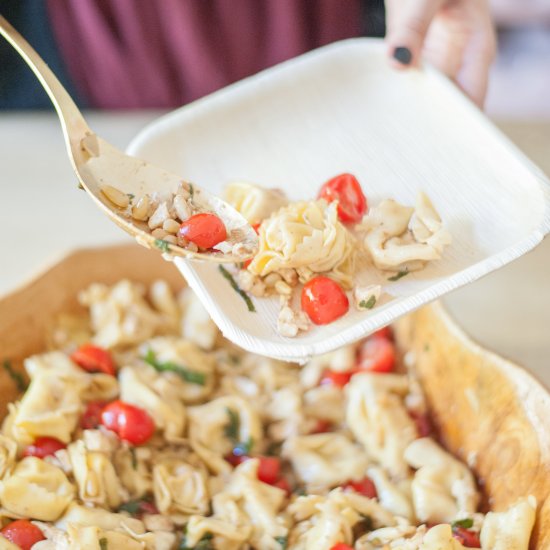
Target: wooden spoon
{"points": [[117, 182]]}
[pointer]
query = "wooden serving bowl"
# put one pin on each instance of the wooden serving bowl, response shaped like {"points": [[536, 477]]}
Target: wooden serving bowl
{"points": [[487, 411]]}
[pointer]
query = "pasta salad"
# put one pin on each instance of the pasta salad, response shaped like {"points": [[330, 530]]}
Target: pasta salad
{"points": [[142, 428], [318, 248]]}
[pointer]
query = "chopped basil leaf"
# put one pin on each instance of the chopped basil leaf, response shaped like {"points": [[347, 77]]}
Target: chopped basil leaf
{"points": [[283, 541], [103, 544], [204, 544], [191, 191], [466, 523], [163, 246], [235, 287], [17, 377], [368, 304], [243, 448], [398, 275], [232, 428], [132, 507], [134, 458], [191, 376], [131, 196]]}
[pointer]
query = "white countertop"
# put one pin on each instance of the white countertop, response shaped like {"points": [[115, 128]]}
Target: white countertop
{"points": [[44, 214]]}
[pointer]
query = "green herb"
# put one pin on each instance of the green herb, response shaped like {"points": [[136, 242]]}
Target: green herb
{"points": [[368, 304], [232, 428], [191, 191], [163, 246], [300, 491], [131, 196], [81, 187], [236, 288], [191, 376], [132, 507], [283, 541], [466, 523], [243, 448], [17, 377], [134, 458], [398, 275], [103, 544], [204, 544]]}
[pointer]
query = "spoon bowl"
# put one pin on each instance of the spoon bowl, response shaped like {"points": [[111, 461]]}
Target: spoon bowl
{"points": [[116, 181]]}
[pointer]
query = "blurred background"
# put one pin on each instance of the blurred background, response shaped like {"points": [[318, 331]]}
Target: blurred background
{"points": [[127, 61]]}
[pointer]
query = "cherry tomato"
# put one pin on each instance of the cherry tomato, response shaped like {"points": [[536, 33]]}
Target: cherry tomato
{"points": [[235, 460], [339, 379], [345, 188], [283, 484], [363, 486], [322, 426], [131, 423], [22, 533], [92, 415], [269, 469], [43, 446], [256, 227], [324, 300], [94, 359], [384, 332], [341, 546], [205, 230], [469, 539], [146, 507], [423, 423], [377, 355]]}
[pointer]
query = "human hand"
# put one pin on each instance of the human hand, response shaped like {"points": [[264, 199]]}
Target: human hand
{"points": [[457, 36]]}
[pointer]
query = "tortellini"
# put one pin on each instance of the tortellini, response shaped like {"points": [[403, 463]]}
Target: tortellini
{"points": [[326, 459], [403, 238], [378, 419], [255, 203], [196, 324], [511, 529], [308, 237], [208, 430], [8, 450], [442, 486], [36, 489]]}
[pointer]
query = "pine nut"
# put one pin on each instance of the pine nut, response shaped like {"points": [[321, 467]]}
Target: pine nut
{"points": [[170, 239], [116, 196], [171, 226], [183, 210], [159, 233], [272, 279], [282, 288], [140, 211]]}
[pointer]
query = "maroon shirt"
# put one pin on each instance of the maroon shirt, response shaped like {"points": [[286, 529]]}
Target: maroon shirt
{"points": [[164, 53]]}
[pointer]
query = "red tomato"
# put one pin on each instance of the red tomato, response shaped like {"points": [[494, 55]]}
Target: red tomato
{"points": [[269, 469], [256, 227], [322, 426], [235, 460], [423, 423], [345, 188], [364, 487], [92, 415], [469, 539], [377, 355], [22, 533], [205, 230], [324, 300], [94, 359], [131, 423], [335, 378], [384, 332], [341, 546], [284, 485], [43, 446], [146, 507]]}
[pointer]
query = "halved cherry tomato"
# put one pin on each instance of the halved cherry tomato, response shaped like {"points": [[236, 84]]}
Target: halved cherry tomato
{"points": [[22, 533], [423, 423], [43, 446], [205, 230], [341, 546], [131, 423], [335, 378], [363, 486], [92, 415], [235, 460], [469, 539], [256, 227], [345, 188], [146, 507], [324, 300], [283, 484], [384, 332], [377, 355], [322, 425], [269, 469], [94, 359]]}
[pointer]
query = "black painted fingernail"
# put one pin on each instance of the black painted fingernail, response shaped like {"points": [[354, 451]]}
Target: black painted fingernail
{"points": [[403, 55]]}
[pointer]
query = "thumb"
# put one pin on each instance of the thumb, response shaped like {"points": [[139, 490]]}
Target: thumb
{"points": [[408, 22]]}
